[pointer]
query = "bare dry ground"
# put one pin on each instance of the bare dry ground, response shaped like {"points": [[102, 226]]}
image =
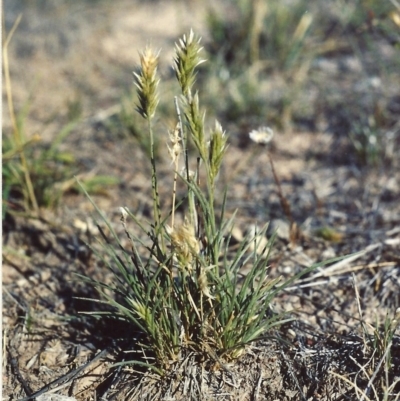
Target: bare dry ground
{"points": [[84, 53]]}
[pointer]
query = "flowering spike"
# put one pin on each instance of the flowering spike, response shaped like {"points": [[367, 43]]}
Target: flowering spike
{"points": [[146, 83]]}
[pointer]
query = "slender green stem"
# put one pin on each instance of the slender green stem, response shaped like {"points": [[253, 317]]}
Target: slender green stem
{"points": [[174, 195], [154, 187]]}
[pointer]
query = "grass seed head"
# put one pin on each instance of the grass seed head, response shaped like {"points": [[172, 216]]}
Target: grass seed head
{"points": [[141, 310], [186, 60], [184, 243], [196, 125], [176, 149], [203, 284], [147, 82], [216, 150]]}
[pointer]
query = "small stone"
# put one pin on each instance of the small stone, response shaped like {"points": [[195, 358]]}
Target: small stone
{"points": [[281, 227], [259, 242]]}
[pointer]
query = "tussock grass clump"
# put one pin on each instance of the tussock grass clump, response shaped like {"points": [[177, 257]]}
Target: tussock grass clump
{"points": [[181, 288]]}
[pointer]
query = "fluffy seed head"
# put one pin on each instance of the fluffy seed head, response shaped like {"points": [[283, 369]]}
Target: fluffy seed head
{"points": [[203, 284], [184, 243], [147, 82], [176, 149]]}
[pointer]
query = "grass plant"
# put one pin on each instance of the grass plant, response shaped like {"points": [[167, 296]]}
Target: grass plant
{"points": [[376, 378], [179, 286], [175, 281], [256, 39], [267, 52], [34, 174], [273, 33], [272, 63], [45, 166], [18, 140]]}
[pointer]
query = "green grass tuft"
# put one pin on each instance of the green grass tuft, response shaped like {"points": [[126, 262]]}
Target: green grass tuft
{"points": [[179, 285]]}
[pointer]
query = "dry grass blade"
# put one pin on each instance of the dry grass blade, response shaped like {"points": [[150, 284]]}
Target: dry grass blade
{"points": [[359, 392]]}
